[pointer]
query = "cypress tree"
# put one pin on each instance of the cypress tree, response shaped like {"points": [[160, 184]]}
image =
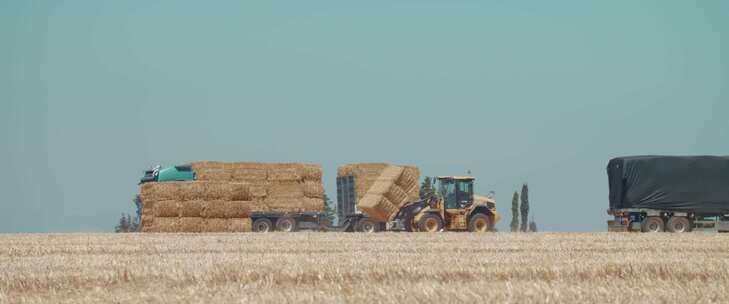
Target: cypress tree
{"points": [[515, 212], [524, 207]]}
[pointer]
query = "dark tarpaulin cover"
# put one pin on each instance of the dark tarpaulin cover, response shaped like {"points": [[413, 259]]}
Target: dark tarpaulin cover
{"points": [[696, 183]]}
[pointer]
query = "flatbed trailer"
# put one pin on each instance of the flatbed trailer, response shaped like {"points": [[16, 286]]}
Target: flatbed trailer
{"points": [[668, 193], [289, 221], [658, 220]]}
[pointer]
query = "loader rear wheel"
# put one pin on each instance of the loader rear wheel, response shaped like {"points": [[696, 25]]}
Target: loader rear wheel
{"points": [[262, 225], [652, 224], [430, 223], [479, 223], [286, 224], [678, 224], [367, 226]]}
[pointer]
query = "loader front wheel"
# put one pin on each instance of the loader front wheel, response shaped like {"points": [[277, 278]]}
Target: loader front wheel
{"points": [[430, 223], [479, 223]]}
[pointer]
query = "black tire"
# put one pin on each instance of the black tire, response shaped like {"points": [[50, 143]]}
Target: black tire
{"points": [[367, 225], [652, 224], [479, 223], [262, 225], [678, 224], [286, 224], [430, 222]]}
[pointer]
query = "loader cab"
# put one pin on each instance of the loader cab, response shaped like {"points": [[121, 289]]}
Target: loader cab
{"points": [[456, 191]]}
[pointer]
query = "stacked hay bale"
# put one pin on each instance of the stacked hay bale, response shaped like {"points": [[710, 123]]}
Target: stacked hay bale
{"points": [[224, 195], [382, 188]]}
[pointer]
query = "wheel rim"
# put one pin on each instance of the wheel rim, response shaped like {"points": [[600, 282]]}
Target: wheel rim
{"points": [[679, 226], [431, 225], [368, 227], [653, 226], [285, 226], [480, 225], [263, 227]]}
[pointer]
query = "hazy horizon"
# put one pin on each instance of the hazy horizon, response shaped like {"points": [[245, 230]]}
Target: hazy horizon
{"points": [[94, 92]]}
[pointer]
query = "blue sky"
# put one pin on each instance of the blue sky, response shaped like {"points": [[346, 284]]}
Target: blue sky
{"points": [[94, 92]]}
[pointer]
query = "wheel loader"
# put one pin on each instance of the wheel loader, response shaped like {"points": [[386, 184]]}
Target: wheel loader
{"points": [[453, 208]]}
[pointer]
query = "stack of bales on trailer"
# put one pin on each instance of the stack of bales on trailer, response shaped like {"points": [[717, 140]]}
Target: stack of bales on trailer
{"points": [[383, 188], [223, 196]]}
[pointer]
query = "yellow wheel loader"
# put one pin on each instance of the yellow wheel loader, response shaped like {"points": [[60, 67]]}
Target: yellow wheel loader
{"points": [[453, 208]]}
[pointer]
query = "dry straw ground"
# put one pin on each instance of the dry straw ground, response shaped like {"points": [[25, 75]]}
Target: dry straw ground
{"points": [[385, 267]]}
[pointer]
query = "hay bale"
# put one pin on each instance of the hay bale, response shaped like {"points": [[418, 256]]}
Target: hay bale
{"points": [[258, 191], [215, 225], [288, 205], [216, 175], [148, 207], [249, 174], [239, 225], [214, 209], [160, 191], [285, 174], [397, 195], [167, 208], [240, 192], [250, 165], [203, 165], [147, 223], [191, 208], [409, 178], [217, 191], [379, 187], [312, 172], [165, 224], [189, 224], [237, 209], [313, 189], [377, 207], [286, 189]]}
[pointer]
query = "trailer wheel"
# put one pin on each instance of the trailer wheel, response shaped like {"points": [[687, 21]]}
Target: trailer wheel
{"points": [[367, 226], [430, 223], [479, 223], [678, 224], [286, 224], [262, 225], [652, 224]]}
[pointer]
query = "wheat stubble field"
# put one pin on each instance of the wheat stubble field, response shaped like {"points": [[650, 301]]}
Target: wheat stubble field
{"points": [[346, 267]]}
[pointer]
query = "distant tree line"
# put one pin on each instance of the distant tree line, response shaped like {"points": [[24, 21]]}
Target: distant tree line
{"points": [[127, 223]]}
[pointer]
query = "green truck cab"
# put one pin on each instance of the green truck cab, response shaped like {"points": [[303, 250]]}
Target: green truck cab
{"points": [[176, 173]]}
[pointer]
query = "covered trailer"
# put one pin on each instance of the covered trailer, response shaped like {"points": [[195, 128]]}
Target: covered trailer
{"points": [[672, 193]]}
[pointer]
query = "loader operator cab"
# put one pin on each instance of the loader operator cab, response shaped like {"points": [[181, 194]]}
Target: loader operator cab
{"points": [[457, 192]]}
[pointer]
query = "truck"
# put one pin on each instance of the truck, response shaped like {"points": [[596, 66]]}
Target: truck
{"points": [[454, 207], [668, 193], [261, 221]]}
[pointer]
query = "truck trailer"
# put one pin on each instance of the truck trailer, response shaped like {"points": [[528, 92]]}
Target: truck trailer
{"points": [[668, 193]]}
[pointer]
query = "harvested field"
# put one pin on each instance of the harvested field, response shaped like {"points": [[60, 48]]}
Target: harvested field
{"points": [[346, 267]]}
